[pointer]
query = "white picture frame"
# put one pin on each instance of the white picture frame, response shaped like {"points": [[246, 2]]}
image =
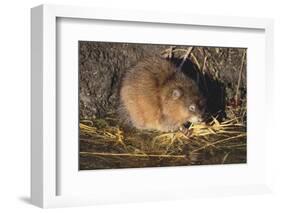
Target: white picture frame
{"points": [[44, 153]]}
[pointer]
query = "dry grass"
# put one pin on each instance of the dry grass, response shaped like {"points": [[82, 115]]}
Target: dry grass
{"points": [[188, 144]]}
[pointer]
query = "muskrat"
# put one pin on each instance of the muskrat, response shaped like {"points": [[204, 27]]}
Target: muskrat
{"points": [[157, 95]]}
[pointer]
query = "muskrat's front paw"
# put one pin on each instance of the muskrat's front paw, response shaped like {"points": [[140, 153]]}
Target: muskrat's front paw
{"points": [[168, 128]]}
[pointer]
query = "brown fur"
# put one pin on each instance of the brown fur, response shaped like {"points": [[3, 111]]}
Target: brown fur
{"points": [[157, 96]]}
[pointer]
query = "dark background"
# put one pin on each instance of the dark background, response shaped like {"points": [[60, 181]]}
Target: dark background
{"points": [[102, 65]]}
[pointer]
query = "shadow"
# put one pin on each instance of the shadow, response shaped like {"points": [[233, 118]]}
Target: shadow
{"points": [[212, 89], [26, 200]]}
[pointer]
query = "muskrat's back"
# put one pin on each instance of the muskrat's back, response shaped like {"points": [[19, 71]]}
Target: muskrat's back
{"points": [[158, 96]]}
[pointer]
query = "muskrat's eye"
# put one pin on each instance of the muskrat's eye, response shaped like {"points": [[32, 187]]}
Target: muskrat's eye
{"points": [[192, 108]]}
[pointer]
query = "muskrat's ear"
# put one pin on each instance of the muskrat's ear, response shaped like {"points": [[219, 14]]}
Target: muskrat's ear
{"points": [[176, 94]]}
